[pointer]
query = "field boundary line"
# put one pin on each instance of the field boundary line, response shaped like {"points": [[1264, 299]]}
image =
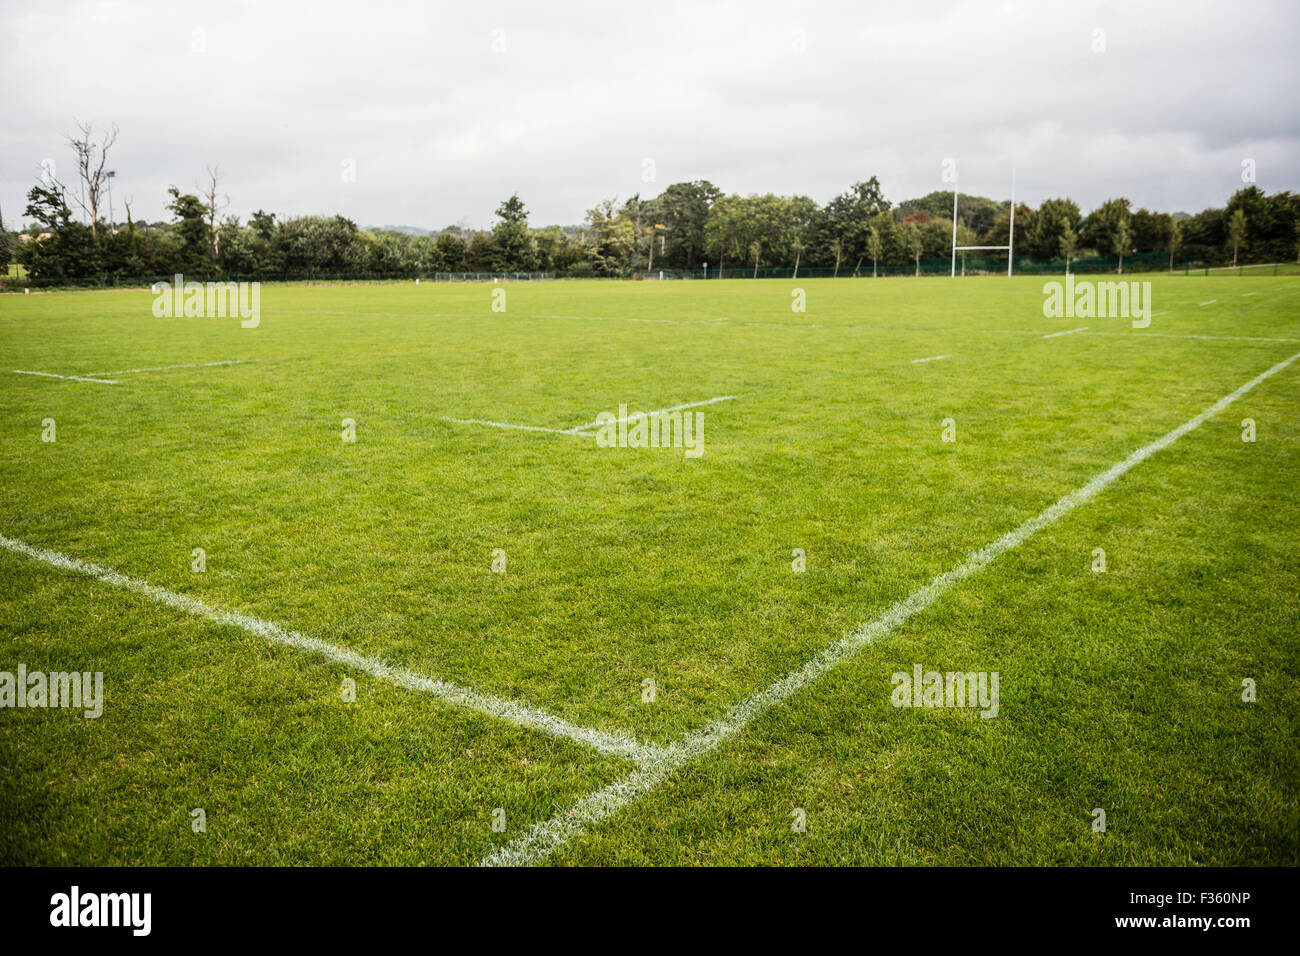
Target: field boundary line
{"points": [[932, 358], [70, 378], [1053, 335], [583, 431], [168, 368], [521, 715], [1189, 335], [578, 429], [524, 428], [543, 839]]}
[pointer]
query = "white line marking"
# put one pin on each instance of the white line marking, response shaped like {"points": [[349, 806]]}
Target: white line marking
{"points": [[626, 318], [581, 430], [1189, 335], [70, 378], [1210, 302], [1249, 293], [932, 358], [508, 710], [543, 839], [1082, 328], [166, 368], [525, 428], [658, 411]]}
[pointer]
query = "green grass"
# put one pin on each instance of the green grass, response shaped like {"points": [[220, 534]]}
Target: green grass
{"points": [[1118, 690]]}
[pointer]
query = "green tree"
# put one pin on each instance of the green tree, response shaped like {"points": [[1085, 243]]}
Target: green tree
{"points": [[192, 230], [1236, 232], [1068, 241], [513, 241]]}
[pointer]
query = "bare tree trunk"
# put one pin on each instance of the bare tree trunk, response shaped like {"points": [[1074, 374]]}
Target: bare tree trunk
{"points": [[797, 254], [837, 264], [94, 177], [216, 203]]}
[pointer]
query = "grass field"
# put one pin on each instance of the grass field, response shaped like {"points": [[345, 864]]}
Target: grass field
{"points": [[1119, 690]]}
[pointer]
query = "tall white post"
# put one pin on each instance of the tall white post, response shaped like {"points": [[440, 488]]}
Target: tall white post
{"points": [[954, 230], [1011, 239]]}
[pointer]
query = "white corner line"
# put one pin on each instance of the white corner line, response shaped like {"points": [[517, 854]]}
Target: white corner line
{"points": [[544, 838], [167, 368], [658, 411], [70, 378], [932, 358], [513, 712], [1052, 335]]}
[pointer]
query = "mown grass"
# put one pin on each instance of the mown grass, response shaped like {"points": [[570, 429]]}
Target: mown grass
{"points": [[1119, 690]]}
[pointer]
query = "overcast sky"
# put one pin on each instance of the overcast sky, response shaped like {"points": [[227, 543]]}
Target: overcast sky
{"points": [[446, 108]]}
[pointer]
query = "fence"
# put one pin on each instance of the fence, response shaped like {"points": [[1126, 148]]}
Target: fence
{"points": [[352, 278]]}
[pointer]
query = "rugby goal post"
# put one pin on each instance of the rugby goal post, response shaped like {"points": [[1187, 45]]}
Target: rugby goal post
{"points": [[1009, 248]]}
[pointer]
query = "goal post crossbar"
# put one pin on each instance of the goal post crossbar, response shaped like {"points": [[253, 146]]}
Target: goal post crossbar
{"points": [[1009, 248]]}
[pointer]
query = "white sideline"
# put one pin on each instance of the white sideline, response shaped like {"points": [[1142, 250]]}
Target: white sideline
{"points": [[1190, 335], [544, 838], [932, 358], [629, 318], [525, 428], [582, 430], [167, 368], [70, 378], [1052, 335], [511, 711], [658, 411]]}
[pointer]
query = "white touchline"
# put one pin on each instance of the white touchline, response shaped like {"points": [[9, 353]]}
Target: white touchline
{"points": [[525, 428], [70, 378], [658, 411], [628, 318], [167, 368], [514, 712], [583, 430], [1053, 335], [1190, 335], [932, 358], [1209, 302], [544, 838]]}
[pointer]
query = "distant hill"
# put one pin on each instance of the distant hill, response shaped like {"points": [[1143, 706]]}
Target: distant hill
{"points": [[409, 230]]}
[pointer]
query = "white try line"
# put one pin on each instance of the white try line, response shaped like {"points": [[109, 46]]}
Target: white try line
{"points": [[1189, 335], [511, 711], [583, 430], [932, 358], [627, 318], [1209, 302], [70, 378], [578, 429], [543, 839], [168, 368], [1082, 328]]}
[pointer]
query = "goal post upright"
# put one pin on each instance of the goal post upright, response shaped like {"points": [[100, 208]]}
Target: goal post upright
{"points": [[1009, 248], [1011, 233], [954, 227]]}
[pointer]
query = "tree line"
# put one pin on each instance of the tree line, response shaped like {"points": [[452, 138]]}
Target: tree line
{"points": [[685, 227]]}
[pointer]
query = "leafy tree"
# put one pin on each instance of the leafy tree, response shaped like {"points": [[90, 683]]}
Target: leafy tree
{"points": [[1068, 242], [192, 230], [1236, 232], [511, 238], [684, 213]]}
